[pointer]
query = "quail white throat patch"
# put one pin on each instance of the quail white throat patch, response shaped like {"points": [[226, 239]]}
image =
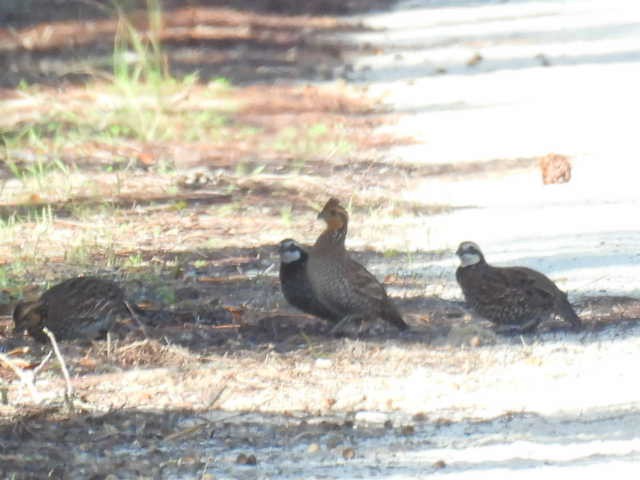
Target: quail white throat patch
{"points": [[290, 256]]}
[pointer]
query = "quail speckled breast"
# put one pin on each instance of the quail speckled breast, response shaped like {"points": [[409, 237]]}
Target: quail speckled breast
{"points": [[514, 298], [294, 281], [342, 285], [83, 307]]}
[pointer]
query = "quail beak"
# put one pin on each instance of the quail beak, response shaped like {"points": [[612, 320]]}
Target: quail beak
{"points": [[282, 247], [459, 251], [322, 215]]}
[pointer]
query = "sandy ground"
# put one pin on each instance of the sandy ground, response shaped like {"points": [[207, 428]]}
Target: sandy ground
{"points": [[510, 106], [572, 394]]}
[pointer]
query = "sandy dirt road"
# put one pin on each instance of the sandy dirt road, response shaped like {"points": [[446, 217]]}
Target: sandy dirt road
{"points": [[488, 84]]}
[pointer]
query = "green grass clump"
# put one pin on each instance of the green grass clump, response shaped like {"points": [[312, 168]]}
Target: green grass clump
{"points": [[312, 141]]}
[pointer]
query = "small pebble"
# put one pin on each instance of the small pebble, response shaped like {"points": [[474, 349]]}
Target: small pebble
{"points": [[439, 464], [443, 422], [329, 426], [371, 417], [333, 441], [313, 448], [243, 459], [348, 453], [544, 61], [474, 60], [475, 341], [407, 430], [419, 417], [323, 363]]}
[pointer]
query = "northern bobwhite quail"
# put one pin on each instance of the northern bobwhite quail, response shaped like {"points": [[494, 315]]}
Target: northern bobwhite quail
{"points": [[83, 307], [514, 298], [342, 285], [294, 281]]}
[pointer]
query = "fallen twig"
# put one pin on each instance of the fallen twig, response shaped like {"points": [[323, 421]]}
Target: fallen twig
{"points": [[225, 327], [68, 394], [41, 365], [27, 377], [197, 428], [204, 469]]}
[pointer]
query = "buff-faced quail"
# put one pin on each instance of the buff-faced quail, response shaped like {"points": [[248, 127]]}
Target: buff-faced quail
{"points": [[342, 285], [294, 281], [82, 307], [516, 299]]}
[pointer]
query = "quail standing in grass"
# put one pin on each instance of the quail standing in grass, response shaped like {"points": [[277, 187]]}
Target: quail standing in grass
{"points": [[294, 281], [82, 307], [343, 286], [516, 299]]}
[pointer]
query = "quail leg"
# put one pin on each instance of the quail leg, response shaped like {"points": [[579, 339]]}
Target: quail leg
{"points": [[355, 319], [510, 329], [136, 318]]}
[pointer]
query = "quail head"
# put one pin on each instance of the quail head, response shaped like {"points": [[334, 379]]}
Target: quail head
{"points": [[514, 298], [294, 281], [83, 307], [342, 285]]}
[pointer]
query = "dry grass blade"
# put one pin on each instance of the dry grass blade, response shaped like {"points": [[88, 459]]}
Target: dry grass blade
{"points": [[186, 432], [133, 345], [197, 428], [216, 397]]}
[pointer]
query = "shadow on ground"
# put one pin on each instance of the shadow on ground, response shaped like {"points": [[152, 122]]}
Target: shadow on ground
{"points": [[252, 41], [187, 443], [228, 300]]}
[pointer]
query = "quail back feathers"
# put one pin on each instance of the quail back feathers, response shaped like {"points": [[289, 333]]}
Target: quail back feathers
{"points": [[341, 284], [82, 307], [516, 297]]}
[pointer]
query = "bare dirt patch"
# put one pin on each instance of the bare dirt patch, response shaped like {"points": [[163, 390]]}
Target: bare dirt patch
{"points": [[278, 387]]}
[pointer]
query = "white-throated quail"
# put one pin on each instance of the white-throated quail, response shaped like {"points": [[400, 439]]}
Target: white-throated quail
{"points": [[294, 282], [342, 285], [82, 307], [514, 298]]}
